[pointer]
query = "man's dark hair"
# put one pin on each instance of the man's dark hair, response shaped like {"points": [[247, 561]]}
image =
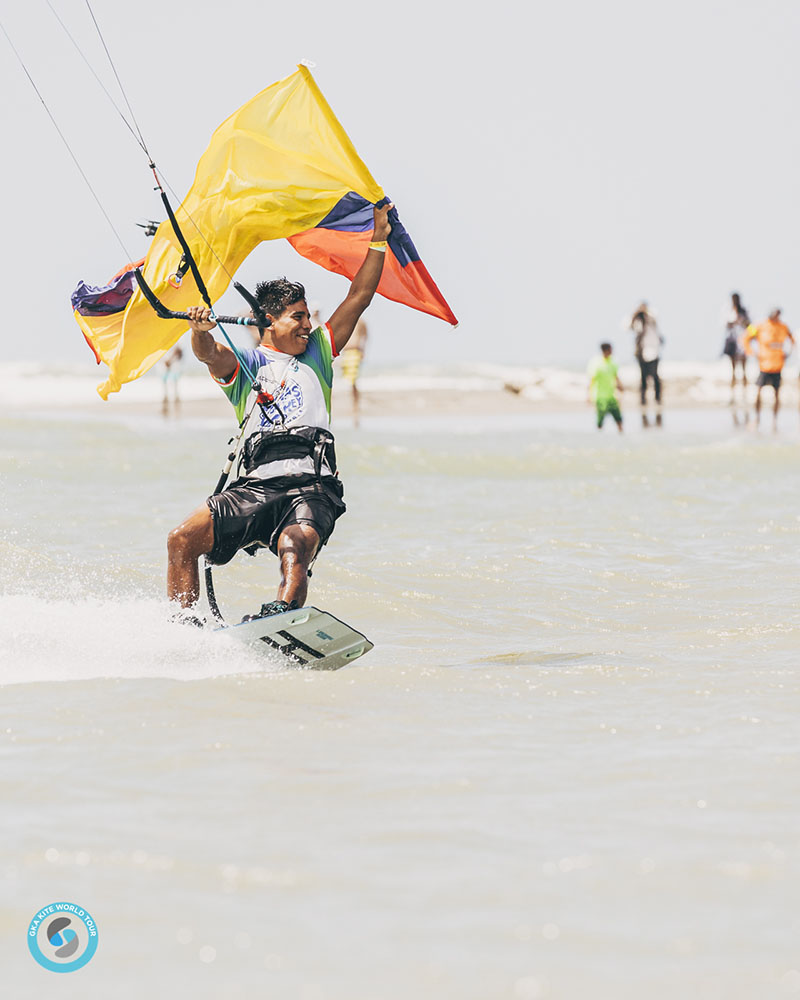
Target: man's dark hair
{"points": [[606, 347], [274, 296]]}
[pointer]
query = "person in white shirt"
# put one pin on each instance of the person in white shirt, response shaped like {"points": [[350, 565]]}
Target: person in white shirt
{"points": [[647, 349]]}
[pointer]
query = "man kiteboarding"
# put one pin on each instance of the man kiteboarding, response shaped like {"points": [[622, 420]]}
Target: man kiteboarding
{"points": [[287, 496]]}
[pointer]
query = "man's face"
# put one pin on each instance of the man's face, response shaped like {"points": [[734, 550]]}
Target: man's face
{"points": [[289, 331]]}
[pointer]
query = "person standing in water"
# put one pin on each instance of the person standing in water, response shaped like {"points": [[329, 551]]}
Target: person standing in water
{"points": [[736, 326], [647, 349], [352, 356], [772, 337], [171, 367], [603, 380]]}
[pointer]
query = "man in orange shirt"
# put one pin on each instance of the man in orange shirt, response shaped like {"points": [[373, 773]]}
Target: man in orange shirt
{"points": [[772, 336]]}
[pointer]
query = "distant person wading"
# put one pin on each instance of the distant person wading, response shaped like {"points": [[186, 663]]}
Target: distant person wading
{"points": [[647, 349], [736, 326], [351, 358], [775, 342], [171, 368]]}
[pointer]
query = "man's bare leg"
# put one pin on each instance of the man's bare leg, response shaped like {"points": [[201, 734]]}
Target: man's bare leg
{"points": [[297, 546], [758, 406], [186, 543], [775, 410]]}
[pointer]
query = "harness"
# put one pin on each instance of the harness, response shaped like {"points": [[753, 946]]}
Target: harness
{"points": [[290, 442]]}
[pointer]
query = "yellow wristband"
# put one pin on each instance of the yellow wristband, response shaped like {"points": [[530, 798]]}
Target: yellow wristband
{"points": [[379, 245]]}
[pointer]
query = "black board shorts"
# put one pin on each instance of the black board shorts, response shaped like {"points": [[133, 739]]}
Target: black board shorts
{"points": [[769, 378], [252, 513]]}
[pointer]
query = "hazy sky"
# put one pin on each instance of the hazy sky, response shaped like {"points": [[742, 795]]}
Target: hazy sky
{"points": [[554, 162]]}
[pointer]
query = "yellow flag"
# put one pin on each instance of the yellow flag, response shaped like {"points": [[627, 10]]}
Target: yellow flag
{"points": [[276, 168]]}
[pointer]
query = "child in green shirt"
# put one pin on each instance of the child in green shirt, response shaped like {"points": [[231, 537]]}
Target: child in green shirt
{"points": [[603, 380]]}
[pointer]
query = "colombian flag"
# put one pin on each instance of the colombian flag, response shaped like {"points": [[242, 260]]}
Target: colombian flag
{"points": [[280, 167]]}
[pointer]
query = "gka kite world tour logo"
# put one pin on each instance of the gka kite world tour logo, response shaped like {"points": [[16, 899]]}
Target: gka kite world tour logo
{"points": [[62, 937]]}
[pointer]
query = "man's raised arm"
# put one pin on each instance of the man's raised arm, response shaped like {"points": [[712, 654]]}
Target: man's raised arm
{"points": [[365, 283]]}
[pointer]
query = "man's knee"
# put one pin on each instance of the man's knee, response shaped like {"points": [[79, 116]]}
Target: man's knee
{"points": [[297, 545], [193, 537], [177, 540]]}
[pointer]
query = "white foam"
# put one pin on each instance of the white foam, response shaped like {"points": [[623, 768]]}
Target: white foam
{"points": [[24, 385], [700, 382], [67, 640]]}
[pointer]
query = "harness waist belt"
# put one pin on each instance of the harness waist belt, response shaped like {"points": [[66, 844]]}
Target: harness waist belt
{"points": [[291, 442]]}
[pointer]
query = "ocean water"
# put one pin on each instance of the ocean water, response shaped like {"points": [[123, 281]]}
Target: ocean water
{"points": [[569, 768]]}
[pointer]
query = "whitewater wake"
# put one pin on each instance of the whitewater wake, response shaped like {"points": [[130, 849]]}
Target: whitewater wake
{"points": [[68, 640]]}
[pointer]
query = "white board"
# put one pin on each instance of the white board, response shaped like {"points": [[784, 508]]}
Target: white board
{"points": [[308, 637]]}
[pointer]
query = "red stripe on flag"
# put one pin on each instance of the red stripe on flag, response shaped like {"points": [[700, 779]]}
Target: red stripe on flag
{"points": [[343, 253]]}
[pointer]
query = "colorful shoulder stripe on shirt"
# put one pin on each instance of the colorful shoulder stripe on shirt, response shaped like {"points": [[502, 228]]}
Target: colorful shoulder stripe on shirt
{"points": [[318, 356]]}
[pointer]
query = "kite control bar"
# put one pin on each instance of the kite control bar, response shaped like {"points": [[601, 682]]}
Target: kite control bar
{"points": [[164, 313]]}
